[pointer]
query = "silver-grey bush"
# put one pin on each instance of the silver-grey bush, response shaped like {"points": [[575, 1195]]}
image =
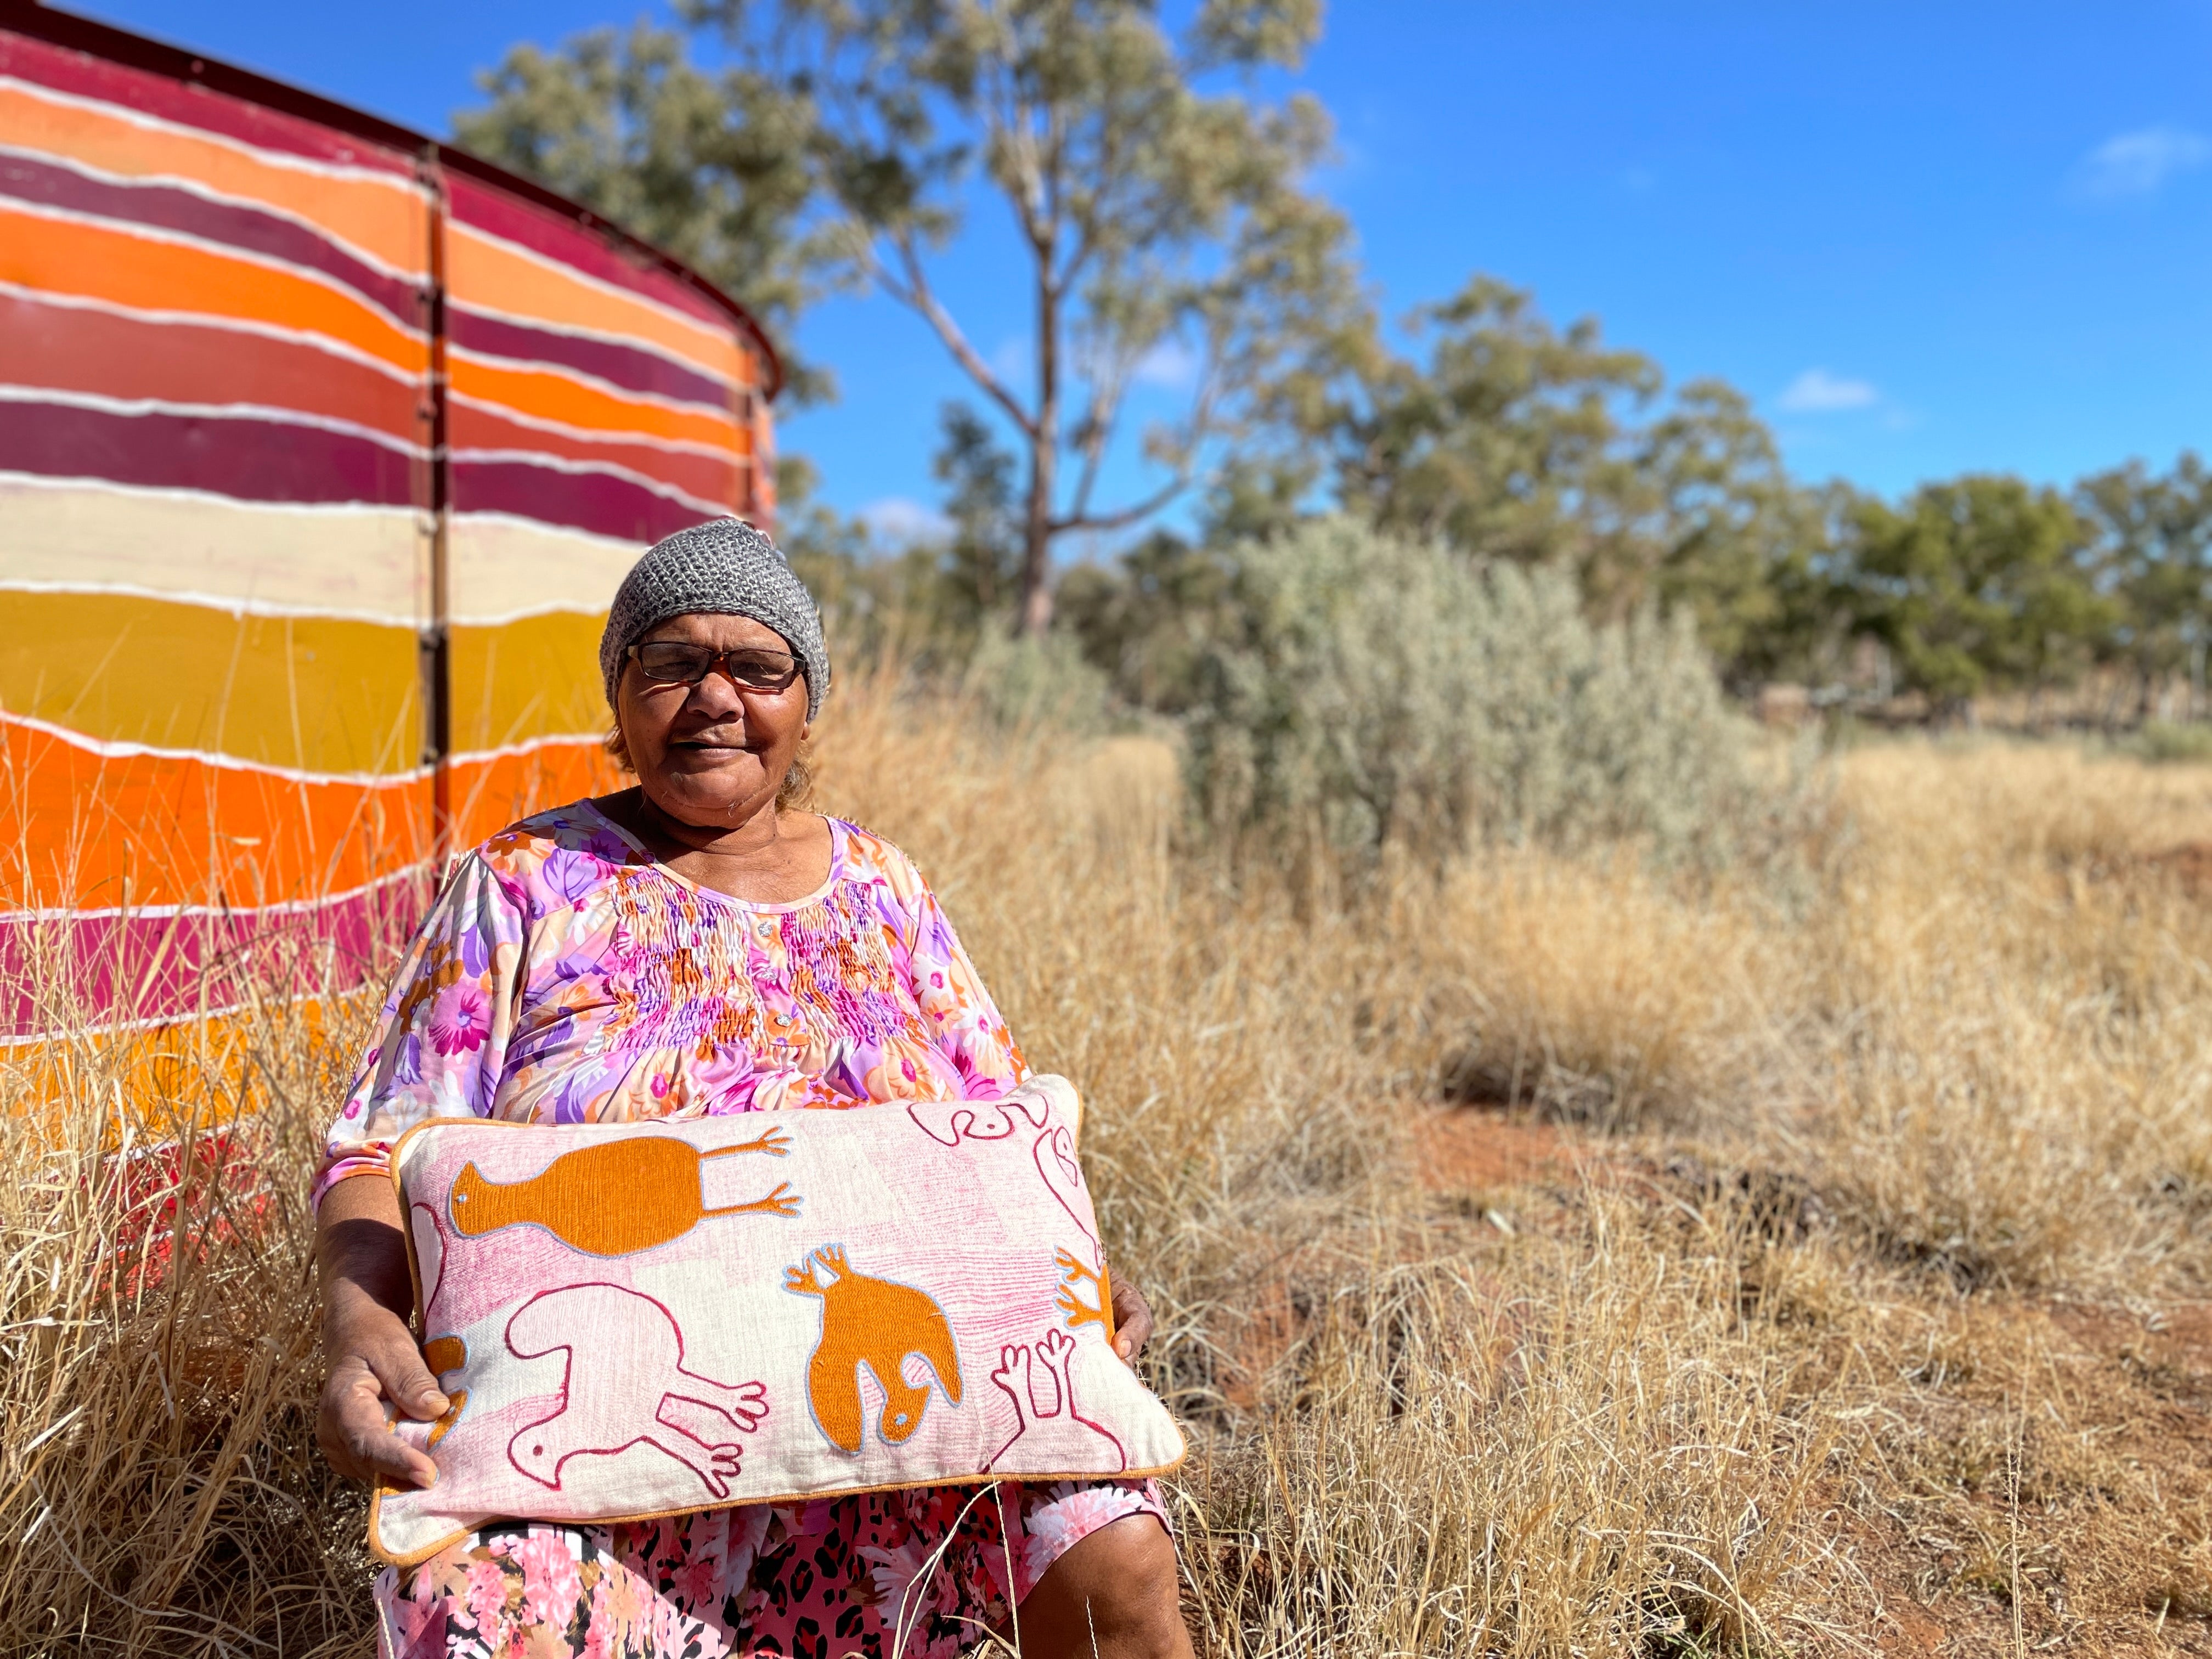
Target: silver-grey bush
{"points": [[1385, 690]]}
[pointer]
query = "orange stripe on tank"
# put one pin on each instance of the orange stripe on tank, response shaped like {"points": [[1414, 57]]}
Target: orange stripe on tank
{"points": [[489, 793], [92, 831], [387, 221], [556, 397], [496, 278], [63, 256]]}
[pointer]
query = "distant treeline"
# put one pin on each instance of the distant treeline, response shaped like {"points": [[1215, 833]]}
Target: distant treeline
{"points": [[1512, 442]]}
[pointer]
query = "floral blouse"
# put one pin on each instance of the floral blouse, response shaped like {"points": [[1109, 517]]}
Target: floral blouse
{"points": [[565, 975]]}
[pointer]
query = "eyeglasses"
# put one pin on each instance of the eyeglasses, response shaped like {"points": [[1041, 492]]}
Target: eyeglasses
{"points": [[671, 662]]}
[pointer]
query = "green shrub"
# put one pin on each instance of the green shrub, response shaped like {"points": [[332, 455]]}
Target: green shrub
{"points": [[1377, 690], [2171, 741], [1024, 683]]}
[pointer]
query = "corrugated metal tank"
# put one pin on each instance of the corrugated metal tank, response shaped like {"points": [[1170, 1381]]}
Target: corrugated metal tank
{"points": [[323, 447]]}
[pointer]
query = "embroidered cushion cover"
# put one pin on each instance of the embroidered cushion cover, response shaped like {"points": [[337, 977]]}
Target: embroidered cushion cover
{"points": [[642, 1319]]}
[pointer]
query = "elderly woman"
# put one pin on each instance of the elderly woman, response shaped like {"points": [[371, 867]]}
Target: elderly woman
{"points": [[698, 944]]}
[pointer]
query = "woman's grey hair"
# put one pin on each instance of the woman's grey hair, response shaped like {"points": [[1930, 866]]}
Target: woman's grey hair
{"points": [[723, 567]]}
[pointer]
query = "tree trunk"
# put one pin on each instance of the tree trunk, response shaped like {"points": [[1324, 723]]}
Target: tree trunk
{"points": [[1044, 456], [1037, 542]]}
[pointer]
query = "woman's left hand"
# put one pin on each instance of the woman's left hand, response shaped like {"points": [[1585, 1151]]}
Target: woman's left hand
{"points": [[1133, 1318]]}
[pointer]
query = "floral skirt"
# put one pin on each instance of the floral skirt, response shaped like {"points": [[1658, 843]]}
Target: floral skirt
{"points": [[924, 1574]]}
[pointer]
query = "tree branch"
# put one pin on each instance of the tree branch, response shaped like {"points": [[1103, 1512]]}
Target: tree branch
{"points": [[1098, 423], [1128, 515], [915, 294]]}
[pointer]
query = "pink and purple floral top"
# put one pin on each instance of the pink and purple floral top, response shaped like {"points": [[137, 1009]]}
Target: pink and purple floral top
{"points": [[565, 975]]}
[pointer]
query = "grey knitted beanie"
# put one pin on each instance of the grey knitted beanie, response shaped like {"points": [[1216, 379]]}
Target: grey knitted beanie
{"points": [[725, 568]]}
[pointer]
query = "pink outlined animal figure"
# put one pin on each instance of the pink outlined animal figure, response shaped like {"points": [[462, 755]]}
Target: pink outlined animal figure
{"points": [[876, 1323], [1063, 1178], [630, 1386], [949, 1123], [1057, 1441], [429, 1255]]}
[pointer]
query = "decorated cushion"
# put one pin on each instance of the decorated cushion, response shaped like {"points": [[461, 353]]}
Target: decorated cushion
{"points": [[637, 1320]]}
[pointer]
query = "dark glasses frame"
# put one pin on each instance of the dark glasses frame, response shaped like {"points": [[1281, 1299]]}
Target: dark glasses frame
{"points": [[703, 661]]}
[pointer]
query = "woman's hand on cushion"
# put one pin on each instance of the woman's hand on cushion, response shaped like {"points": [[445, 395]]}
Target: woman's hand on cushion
{"points": [[1133, 1318], [367, 1293], [374, 1359]]}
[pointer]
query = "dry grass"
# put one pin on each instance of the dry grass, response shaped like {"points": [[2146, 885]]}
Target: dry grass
{"points": [[1554, 1262]]}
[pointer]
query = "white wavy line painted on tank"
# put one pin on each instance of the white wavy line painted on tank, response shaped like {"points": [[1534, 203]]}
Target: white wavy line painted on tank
{"points": [[284, 159], [205, 192], [239, 608], [108, 748], [299, 336], [279, 907], [268, 412]]}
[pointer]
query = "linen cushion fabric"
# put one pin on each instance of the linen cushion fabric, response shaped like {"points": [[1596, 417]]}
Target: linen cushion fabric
{"points": [[648, 1319], [722, 567]]}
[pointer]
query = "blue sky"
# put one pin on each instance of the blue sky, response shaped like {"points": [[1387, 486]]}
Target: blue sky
{"points": [[1924, 238]]}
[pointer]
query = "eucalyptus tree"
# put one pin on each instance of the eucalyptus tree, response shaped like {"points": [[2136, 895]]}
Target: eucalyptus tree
{"points": [[1982, 582], [711, 166], [1166, 232], [1160, 203], [1518, 442], [2153, 547]]}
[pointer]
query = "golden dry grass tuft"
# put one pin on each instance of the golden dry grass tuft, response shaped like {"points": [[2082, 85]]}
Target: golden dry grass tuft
{"points": [[1551, 1260]]}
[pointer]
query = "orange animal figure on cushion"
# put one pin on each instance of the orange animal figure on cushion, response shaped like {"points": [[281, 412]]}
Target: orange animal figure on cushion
{"points": [[441, 1355], [876, 1323], [621, 1196]]}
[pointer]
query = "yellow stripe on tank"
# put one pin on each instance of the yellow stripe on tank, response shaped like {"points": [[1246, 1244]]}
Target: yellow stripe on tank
{"points": [[313, 693], [534, 678]]}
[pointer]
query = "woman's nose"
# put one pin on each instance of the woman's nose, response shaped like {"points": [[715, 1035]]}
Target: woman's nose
{"points": [[716, 694]]}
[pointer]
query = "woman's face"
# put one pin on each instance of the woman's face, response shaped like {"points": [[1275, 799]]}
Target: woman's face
{"points": [[709, 754]]}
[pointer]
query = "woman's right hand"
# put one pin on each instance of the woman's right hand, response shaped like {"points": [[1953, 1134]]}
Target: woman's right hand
{"points": [[376, 1371], [374, 1360]]}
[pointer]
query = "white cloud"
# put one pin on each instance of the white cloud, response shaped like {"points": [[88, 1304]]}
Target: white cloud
{"points": [[1170, 363], [2139, 163], [1816, 391], [902, 522]]}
